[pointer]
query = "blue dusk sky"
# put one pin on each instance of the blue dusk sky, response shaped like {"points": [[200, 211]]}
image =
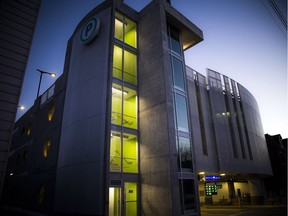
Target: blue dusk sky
{"points": [[243, 39]]}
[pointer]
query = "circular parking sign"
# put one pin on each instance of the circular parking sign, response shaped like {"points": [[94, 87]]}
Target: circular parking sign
{"points": [[90, 30]]}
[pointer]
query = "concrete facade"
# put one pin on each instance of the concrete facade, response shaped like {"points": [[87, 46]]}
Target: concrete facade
{"points": [[228, 135], [156, 109], [17, 24], [81, 153], [33, 156]]}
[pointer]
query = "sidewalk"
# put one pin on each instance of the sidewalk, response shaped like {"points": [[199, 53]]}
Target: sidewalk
{"points": [[242, 206], [9, 211]]}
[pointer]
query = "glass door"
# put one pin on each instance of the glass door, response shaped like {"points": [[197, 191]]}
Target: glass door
{"points": [[126, 206], [114, 201], [130, 201]]}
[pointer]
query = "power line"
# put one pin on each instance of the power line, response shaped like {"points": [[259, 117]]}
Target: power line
{"points": [[278, 13], [272, 14]]}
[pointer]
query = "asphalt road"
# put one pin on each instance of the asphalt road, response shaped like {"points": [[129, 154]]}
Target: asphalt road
{"points": [[219, 211], [259, 211]]}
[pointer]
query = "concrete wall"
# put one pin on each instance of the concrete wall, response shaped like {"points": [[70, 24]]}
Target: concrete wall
{"points": [[199, 99], [28, 169], [80, 175], [233, 128], [158, 157]]}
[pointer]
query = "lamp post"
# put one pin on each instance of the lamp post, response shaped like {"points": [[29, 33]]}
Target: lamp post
{"points": [[21, 107], [41, 73]]}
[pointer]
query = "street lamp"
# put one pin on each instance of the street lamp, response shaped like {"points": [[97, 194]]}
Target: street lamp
{"points": [[21, 107], [41, 73]]}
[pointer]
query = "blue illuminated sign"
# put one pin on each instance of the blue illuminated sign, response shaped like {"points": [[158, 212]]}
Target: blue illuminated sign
{"points": [[212, 178]]}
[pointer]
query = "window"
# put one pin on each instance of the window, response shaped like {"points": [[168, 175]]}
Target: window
{"points": [[115, 201], [117, 62], [123, 152], [116, 115], [181, 113], [51, 112], [130, 108], [174, 40], [119, 26], [29, 128], [184, 154], [188, 196], [125, 30], [46, 148], [178, 74], [130, 195], [115, 152], [126, 115], [125, 202], [130, 153], [41, 195], [48, 94], [126, 71], [130, 67]]}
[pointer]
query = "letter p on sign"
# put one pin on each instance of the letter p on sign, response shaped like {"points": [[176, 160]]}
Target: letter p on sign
{"points": [[90, 30]]}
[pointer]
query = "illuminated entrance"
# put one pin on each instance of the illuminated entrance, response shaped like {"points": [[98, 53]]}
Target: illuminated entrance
{"points": [[127, 206]]}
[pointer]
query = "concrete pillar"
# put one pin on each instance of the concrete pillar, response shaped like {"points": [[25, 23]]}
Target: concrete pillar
{"points": [[231, 190], [257, 191]]}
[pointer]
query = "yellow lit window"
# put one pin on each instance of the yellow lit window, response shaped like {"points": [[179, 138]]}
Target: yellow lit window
{"points": [[130, 153], [116, 115], [117, 62], [130, 109], [115, 152], [41, 195], [130, 198], [46, 148], [29, 128], [119, 22], [125, 30], [130, 67], [123, 152], [130, 32], [115, 202], [51, 112]]}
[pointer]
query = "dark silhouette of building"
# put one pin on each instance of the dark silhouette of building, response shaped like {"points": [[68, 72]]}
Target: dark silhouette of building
{"points": [[276, 185], [17, 25]]}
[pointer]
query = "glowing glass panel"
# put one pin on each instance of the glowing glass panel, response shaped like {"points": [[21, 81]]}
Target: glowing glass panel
{"points": [[130, 153], [114, 201], [115, 152], [51, 112], [46, 148], [130, 33], [130, 67], [130, 108], [116, 115], [130, 193], [117, 62]]}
